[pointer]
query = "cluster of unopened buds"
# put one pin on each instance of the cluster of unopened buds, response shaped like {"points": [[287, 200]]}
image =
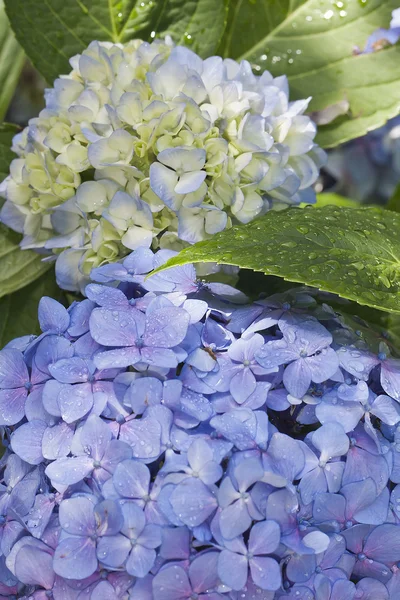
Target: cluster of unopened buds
{"points": [[149, 145], [168, 440]]}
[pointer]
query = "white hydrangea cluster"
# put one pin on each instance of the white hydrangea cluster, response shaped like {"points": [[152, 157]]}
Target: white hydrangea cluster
{"points": [[146, 144]]}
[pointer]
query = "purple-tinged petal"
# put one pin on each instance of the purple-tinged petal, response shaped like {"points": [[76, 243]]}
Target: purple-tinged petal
{"points": [[12, 406], [26, 441], [108, 297], [288, 456], [300, 566], [13, 370], [357, 363], [367, 589], [331, 441], [159, 357], [111, 359], [115, 327], [243, 384], [355, 537], [151, 536], [265, 573], [323, 366], [51, 349], [312, 484], [305, 333], [34, 567], [166, 327], [53, 317], [50, 395], [77, 516], [113, 550], [264, 537], [56, 442], [193, 502], [346, 414], [70, 370], [390, 377], [144, 437], [203, 572], [116, 453], [140, 561], [104, 591], [79, 317], [232, 569], [75, 558], [386, 409], [317, 541], [238, 426], [75, 401], [171, 583], [132, 479], [40, 514], [377, 512], [34, 409], [297, 378], [95, 437], [275, 353], [67, 471], [383, 544], [234, 519], [144, 392], [359, 495], [361, 464]]}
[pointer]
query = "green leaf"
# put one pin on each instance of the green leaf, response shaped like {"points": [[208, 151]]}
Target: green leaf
{"points": [[18, 311], [18, 267], [354, 253], [12, 58], [315, 42], [7, 132], [51, 31]]}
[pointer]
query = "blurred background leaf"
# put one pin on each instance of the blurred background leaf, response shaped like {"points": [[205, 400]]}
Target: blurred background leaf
{"points": [[12, 59]]}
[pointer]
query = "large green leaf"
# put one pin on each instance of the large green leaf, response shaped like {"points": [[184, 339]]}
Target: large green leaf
{"points": [[354, 253], [51, 31], [315, 43], [7, 132], [18, 311], [17, 267], [11, 62]]}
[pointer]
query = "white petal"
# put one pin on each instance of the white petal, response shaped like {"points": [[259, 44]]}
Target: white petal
{"points": [[215, 221], [190, 182], [137, 237], [186, 159], [163, 182]]}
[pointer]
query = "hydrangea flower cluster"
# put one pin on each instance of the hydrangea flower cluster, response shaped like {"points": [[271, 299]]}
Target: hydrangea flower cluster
{"points": [[149, 145], [167, 440]]}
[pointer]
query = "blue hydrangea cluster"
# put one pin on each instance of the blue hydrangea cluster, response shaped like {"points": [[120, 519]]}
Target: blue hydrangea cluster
{"points": [[168, 440]]}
